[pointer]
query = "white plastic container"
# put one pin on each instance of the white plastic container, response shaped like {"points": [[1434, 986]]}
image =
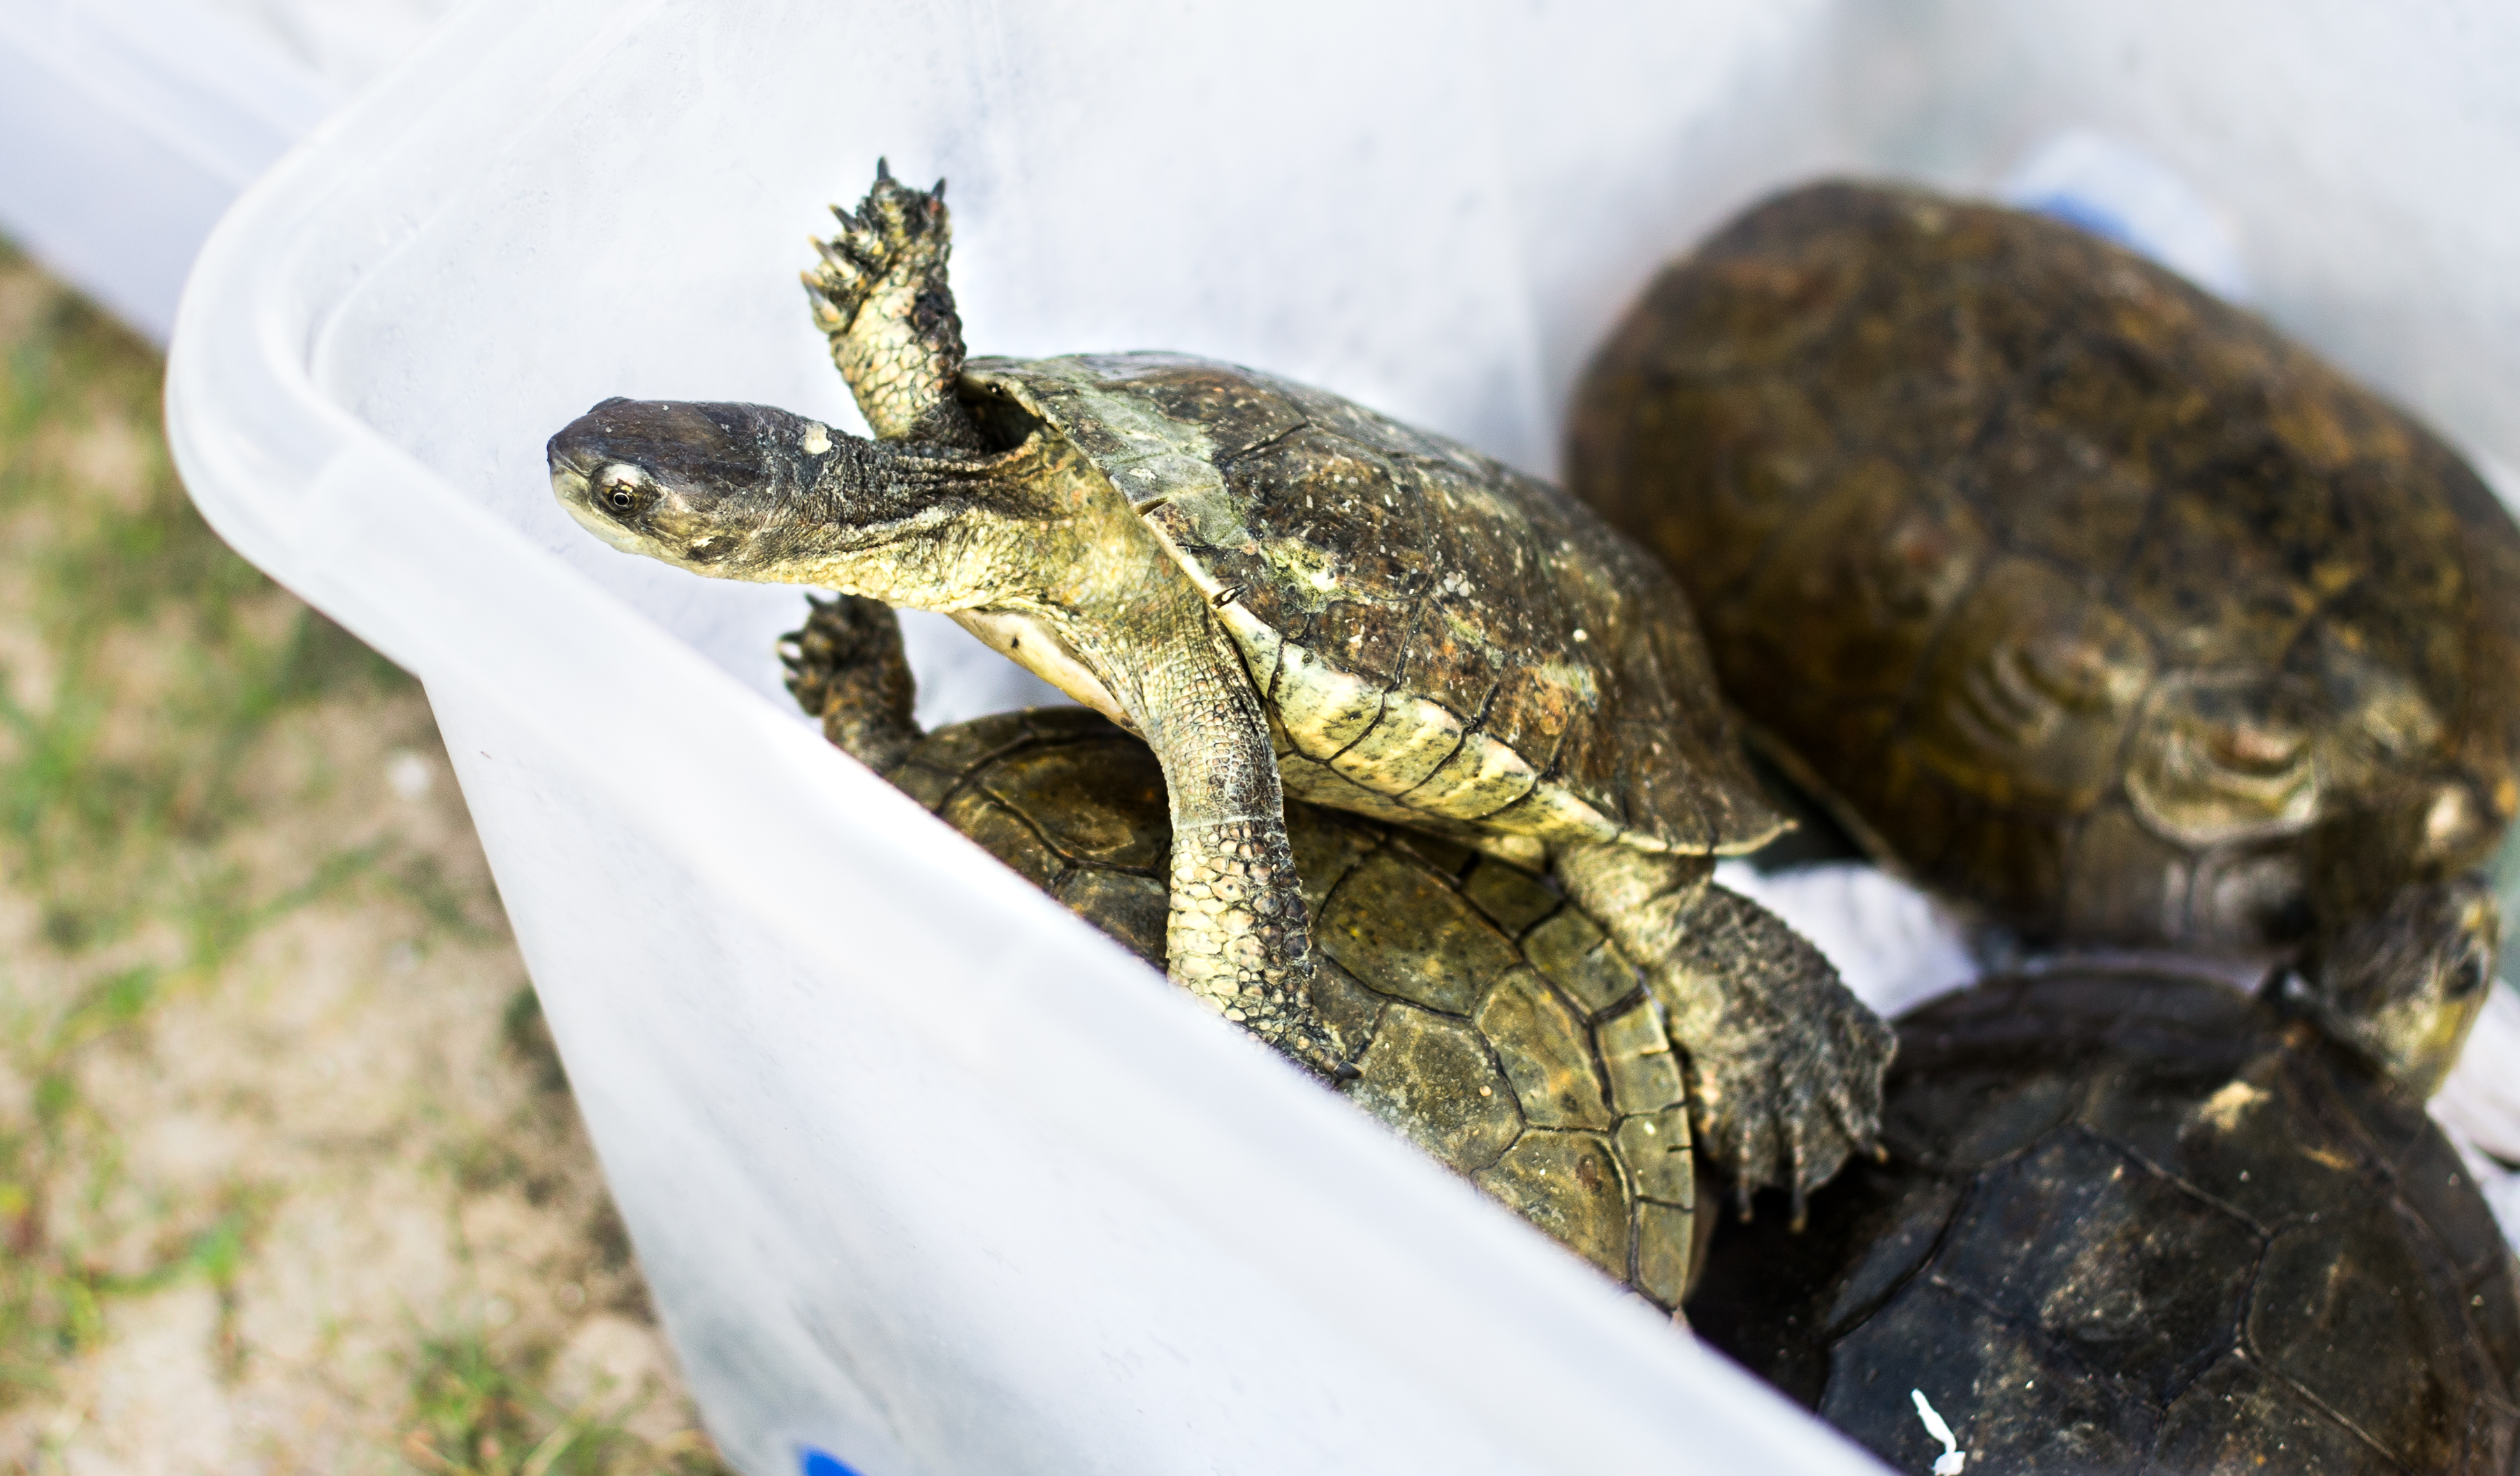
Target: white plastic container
{"points": [[925, 1175], [127, 127]]}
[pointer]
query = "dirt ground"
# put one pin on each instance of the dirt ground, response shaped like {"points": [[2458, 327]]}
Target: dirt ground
{"points": [[290, 1177]]}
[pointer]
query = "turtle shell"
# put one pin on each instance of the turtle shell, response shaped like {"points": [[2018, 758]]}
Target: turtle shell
{"points": [[1436, 633], [1490, 1022], [2081, 593], [2137, 1223]]}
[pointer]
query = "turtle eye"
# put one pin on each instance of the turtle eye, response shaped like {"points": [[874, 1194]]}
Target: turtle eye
{"points": [[621, 498], [2467, 978]]}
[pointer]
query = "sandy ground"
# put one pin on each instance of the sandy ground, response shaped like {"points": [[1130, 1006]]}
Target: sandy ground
{"points": [[290, 1177]]}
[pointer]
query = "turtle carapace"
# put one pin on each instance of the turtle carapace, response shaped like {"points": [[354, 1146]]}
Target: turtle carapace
{"points": [[2133, 1221], [2083, 596]]}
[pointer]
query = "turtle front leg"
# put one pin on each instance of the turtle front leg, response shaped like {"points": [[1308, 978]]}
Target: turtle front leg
{"points": [[1784, 1063], [882, 297], [847, 668], [1237, 935]]}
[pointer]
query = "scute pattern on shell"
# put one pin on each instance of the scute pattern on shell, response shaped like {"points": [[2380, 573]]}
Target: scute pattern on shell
{"points": [[2091, 597], [2138, 1223], [1491, 1023], [1446, 583]]}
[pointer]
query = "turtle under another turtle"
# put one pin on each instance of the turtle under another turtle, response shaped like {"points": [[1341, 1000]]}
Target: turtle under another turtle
{"points": [[1283, 593], [1488, 1019], [2082, 596], [2136, 1221]]}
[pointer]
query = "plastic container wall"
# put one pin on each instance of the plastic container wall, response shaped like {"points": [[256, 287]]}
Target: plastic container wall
{"points": [[923, 1173], [133, 124], [131, 127]]}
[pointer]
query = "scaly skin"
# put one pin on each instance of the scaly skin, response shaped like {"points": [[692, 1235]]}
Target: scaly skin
{"points": [[1731, 978], [1232, 939], [1237, 936], [880, 296], [847, 668]]}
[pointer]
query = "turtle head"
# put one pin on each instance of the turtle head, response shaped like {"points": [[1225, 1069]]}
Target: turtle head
{"points": [[708, 487], [752, 492], [2403, 985]]}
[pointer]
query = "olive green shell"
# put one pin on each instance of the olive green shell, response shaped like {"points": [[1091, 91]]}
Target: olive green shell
{"points": [[2083, 594], [1473, 634], [2138, 1223], [1490, 1022]]}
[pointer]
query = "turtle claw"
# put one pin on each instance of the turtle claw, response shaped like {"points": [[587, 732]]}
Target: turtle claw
{"points": [[1861, 1129], [881, 298], [1311, 1046], [1800, 1180], [895, 238], [1754, 1088], [847, 666], [864, 241], [1785, 1066], [827, 313], [838, 263]]}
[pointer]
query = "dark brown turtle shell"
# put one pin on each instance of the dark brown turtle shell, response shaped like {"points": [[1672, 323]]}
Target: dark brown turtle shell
{"points": [[1468, 642], [2081, 593], [1490, 1021], [2136, 1221]]}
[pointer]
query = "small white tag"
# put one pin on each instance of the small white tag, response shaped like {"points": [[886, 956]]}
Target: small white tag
{"points": [[1947, 1463]]}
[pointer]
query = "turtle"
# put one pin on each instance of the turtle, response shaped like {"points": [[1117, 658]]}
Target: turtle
{"points": [[1282, 591], [1487, 1019], [2082, 598], [2134, 1220]]}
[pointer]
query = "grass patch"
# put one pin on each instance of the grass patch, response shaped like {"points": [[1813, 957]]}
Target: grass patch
{"points": [[163, 657], [178, 740], [528, 1040], [142, 670], [475, 1414]]}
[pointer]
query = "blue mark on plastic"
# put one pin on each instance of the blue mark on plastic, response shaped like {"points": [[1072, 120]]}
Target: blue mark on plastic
{"points": [[820, 1462], [2105, 224], [2120, 193]]}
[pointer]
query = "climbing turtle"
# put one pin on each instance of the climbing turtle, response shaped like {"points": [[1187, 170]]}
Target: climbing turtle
{"points": [[2081, 595], [2139, 1221], [1486, 1018], [1271, 584]]}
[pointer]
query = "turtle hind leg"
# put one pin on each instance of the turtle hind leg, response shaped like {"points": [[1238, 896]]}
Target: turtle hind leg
{"points": [[1803, 1057], [1785, 1064], [881, 296], [847, 667]]}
